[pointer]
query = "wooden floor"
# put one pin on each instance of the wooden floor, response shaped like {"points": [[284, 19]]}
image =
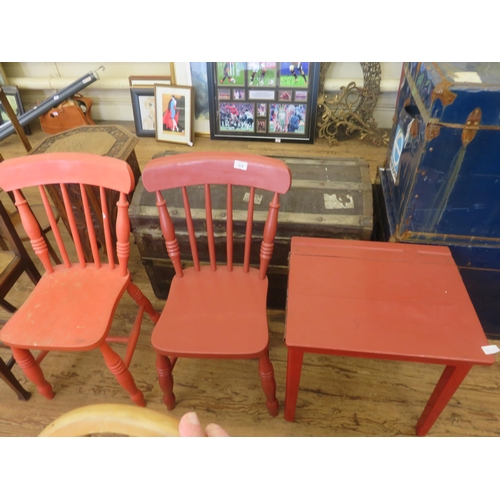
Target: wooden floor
{"points": [[338, 396]]}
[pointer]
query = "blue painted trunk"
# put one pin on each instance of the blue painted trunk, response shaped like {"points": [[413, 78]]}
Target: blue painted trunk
{"points": [[441, 184]]}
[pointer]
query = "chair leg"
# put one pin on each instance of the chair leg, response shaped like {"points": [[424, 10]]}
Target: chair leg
{"points": [[141, 300], [3, 244], [32, 370], [7, 306], [164, 370], [268, 383], [8, 377], [123, 376]]}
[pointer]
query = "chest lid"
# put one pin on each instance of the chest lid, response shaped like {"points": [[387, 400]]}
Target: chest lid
{"points": [[449, 92]]}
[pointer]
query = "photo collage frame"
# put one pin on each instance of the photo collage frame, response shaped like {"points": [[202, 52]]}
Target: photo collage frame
{"points": [[263, 100]]}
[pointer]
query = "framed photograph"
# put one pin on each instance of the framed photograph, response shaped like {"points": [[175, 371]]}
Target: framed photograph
{"points": [[284, 95], [174, 108], [239, 94], [261, 126], [300, 96], [198, 80], [237, 117], [261, 109], [263, 100], [14, 98], [143, 106]]}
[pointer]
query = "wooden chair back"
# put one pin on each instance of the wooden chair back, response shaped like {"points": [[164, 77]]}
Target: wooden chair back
{"points": [[218, 168], [62, 170]]}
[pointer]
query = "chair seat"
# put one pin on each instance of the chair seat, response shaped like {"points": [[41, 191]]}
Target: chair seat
{"points": [[70, 309], [214, 314]]}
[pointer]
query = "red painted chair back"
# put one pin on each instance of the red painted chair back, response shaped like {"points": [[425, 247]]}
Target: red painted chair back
{"points": [[218, 168], [72, 306], [63, 170]]}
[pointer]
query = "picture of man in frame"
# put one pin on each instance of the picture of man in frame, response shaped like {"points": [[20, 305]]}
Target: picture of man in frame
{"points": [[294, 74], [173, 112], [231, 73], [261, 73]]}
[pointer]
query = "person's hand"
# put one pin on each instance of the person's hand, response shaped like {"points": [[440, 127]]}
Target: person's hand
{"points": [[189, 426]]}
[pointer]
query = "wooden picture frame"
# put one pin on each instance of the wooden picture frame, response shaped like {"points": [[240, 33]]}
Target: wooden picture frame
{"points": [[174, 108], [14, 97], [284, 93], [143, 106], [149, 81], [3, 76]]}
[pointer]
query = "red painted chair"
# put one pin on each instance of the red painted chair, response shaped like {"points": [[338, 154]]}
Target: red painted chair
{"points": [[72, 306], [213, 310]]}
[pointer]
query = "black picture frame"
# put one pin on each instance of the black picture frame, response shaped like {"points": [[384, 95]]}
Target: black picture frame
{"points": [[143, 106], [13, 95], [242, 95]]}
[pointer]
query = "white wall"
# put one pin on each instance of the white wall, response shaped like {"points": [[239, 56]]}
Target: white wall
{"points": [[342, 73], [111, 95]]}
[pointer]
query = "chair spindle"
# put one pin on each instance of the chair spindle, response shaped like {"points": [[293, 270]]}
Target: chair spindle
{"points": [[210, 228], [90, 226], [229, 227], [32, 229], [54, 227], [266, 248], [190, 228], [107, 229], [248, 233], [167, 228], [73, 227], [122, 234]]}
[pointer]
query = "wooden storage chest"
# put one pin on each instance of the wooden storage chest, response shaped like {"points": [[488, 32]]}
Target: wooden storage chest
{"points": [[329, 197], [441, 184]]}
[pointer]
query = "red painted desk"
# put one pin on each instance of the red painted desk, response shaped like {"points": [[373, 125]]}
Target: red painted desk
{"points": [[381, 300]]}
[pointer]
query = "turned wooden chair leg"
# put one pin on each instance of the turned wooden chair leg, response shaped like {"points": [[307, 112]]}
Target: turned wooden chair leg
{"points": [[164, 369], [268, 383], [141, 300], [8, 377], [32, 370], [123, 376]]}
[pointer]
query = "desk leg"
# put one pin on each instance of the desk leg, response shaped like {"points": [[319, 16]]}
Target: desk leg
{"points": [[293, 369], [449, 382]]}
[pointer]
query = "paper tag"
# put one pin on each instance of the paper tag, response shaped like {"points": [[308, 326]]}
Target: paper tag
{"points": [[55, 113], [490, 349], [56, 97], [277, 139], [190, 143], [85, 80], [332, 201], [240, 165], [467, 77]]}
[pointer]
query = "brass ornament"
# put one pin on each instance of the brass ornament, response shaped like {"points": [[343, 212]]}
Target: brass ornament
{"points": [[341, 116]]}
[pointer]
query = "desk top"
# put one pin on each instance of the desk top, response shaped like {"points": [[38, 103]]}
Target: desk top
{"points": [[386, 300]]}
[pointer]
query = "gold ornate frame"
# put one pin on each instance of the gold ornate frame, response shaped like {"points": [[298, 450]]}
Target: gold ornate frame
{"points": [[342, 115]]}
